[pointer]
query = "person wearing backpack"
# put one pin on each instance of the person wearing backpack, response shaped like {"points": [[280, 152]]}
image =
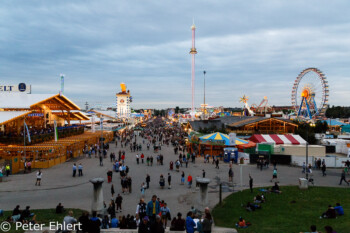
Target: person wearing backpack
{"points": [[141, 208]]}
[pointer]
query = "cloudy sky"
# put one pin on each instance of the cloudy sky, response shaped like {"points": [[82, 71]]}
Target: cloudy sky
{"points": [[256, 48]]}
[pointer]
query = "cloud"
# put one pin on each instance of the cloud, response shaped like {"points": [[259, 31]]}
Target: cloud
{"points": [[255, 48]]}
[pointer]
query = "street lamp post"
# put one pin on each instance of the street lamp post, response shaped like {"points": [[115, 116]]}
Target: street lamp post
{"points": [[204, 72], [307, 155], [307, 150], [101, 135]]}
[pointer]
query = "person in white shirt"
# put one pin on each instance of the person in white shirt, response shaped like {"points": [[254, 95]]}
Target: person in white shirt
{"points": [[80, 169], [38, 177], [137, 158]]}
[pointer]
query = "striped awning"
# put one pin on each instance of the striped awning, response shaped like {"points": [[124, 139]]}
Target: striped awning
{"points": [[221, 137], [278, 139]]}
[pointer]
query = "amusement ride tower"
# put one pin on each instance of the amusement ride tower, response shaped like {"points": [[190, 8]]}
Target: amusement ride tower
{"points": [[193, 52]]}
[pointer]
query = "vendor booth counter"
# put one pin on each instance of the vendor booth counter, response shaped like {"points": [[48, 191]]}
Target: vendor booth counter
{"points": [[49, 154]]}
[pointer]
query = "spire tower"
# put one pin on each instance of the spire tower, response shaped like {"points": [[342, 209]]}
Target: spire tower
{"points": [[193, 52]]}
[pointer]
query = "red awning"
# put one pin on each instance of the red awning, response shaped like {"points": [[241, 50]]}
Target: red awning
{"points": [[250, 144], [292, 139], [257, 138], [276, 139]]}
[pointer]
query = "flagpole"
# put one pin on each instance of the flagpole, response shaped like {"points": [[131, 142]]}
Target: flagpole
{"points": [[24, 135]]}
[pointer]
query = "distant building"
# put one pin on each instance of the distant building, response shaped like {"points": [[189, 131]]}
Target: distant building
{"points": [[123, 100], [246, 125]]}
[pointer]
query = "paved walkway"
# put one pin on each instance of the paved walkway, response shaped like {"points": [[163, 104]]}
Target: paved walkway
{"points": [[58, 185]]}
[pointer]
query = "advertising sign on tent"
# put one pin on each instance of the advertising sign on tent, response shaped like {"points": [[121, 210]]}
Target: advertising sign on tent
{"points": [[232, 139]]}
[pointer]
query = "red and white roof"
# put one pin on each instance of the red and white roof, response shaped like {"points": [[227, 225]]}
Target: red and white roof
{"points": [[278, 139]]}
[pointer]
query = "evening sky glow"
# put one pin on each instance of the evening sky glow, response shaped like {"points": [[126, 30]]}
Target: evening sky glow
{"points": [[255, 48]]}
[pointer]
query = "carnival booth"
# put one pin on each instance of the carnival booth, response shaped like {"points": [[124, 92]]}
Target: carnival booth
{"points": [[230, 154], [212, 144]]}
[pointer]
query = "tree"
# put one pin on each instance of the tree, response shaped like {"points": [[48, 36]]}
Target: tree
{"points": [[177, 110], [306, 132], [321, 127], [338, 112]]}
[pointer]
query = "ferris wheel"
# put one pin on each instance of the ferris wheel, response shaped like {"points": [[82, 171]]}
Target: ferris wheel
{"points": [[310, 93]]}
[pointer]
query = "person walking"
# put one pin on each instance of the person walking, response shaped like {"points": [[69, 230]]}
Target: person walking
{"points": [[203, 173], [148, 179], [323, 169], [7, 169], [153, 208], [118, 202], [189, 181], [169, 181], [109, 176], [112, 190], [274, 175], [151, 160], [101, 160], [217, 163], [190, 224], [80, 170], [250, 183], [38, 177], [161, 181], [343, 178], [183, 177], [29, 165], [129, 182], [141, 208], [74, 169], [142, 157], [207, 221], [230, 175], [143, 188], [165, 214], [137, 158]]}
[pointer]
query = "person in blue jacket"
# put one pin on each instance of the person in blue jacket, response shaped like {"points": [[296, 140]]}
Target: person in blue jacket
{"points": [[190, 224], [153, 208], [339, 209]]}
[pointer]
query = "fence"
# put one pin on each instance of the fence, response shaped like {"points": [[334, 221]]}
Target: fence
{"points": [[333, 161]]}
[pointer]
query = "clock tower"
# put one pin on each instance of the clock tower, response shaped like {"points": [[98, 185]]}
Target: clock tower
{"points": [[124, 99]]}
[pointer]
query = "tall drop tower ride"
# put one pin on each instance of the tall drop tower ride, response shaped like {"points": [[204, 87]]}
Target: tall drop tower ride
{"points": [[193, 52]]}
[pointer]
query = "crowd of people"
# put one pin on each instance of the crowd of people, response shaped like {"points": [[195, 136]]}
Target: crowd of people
{"points": [[155, 215], [32, 131], [149, 218]]}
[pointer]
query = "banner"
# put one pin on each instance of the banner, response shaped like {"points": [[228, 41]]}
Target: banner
{"points": [[28, 134], [93, 123], [232, 139], [55, 130], [101, 123]]}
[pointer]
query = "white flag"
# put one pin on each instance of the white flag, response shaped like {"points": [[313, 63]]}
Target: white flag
{"points": [[28, 134]]}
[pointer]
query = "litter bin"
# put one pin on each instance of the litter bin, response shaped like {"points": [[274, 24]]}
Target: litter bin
{"points": [[241, 160], [303, 184]]}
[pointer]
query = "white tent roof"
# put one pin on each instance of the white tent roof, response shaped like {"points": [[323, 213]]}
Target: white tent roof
{"points": [[21, 100], [8, 115], [111, 114]]}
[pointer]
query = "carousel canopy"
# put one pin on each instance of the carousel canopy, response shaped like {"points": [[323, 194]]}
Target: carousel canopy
{"points": [[221, 137]]}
